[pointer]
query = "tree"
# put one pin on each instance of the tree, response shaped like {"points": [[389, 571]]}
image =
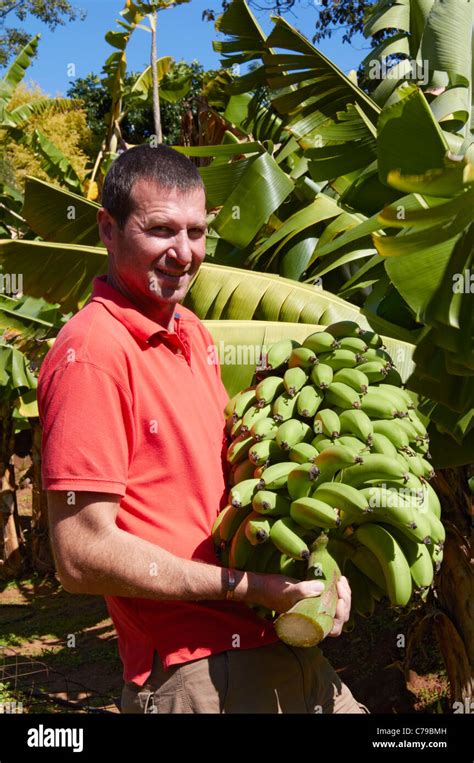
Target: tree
{"points": [[50, 12], [138, 125]]}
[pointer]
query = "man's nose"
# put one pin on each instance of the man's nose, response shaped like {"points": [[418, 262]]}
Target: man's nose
{"points": [[180, 248]]}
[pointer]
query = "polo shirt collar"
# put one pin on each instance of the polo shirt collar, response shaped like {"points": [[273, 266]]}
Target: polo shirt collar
{"points": [[126, 312]]}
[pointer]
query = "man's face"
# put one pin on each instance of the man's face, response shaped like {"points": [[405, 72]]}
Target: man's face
{"points": [[161, 247]]}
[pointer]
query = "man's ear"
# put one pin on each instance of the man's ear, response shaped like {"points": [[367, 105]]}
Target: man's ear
{"points": [[106, 224]]}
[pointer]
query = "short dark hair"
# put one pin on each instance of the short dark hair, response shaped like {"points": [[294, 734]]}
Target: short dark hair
{"points": [[162, 165]]}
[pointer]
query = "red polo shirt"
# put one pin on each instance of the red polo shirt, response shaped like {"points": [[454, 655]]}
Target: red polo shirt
{"points": [[130, 408]]}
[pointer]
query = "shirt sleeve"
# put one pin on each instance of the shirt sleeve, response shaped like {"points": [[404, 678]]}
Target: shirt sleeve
{"points": [[88, 429]]}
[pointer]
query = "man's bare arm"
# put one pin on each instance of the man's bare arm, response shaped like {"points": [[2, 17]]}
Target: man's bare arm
{"points": [[94, 556]]}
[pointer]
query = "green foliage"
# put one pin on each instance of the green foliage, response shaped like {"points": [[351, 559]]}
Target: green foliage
{"points": [[137, 125], [67, 130]]}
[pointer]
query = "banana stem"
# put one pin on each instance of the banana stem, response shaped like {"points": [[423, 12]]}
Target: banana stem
{"points": [[310, 620]]}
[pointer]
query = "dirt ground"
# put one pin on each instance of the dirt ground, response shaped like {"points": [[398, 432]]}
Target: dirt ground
{"points": [[58, 652]]}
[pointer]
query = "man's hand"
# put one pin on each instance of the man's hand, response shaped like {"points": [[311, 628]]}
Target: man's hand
{"points": [[280, 593], [343, 608]]}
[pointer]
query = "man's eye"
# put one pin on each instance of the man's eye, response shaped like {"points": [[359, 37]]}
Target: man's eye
{"points": [[197, 232], [161, 228]]}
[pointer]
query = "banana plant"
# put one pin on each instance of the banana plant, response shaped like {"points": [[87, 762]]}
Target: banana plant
{"points": [[342, 157]]}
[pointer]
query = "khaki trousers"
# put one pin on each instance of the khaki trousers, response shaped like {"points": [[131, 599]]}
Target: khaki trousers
{"points": [[274, 678]]}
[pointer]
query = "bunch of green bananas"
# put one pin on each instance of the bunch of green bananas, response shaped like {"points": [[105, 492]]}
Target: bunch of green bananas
{"points": [[328, 440]]}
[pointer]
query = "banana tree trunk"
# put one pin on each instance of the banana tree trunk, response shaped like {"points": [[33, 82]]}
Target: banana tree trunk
{"points": [[41, 555], [10, 557], [455, 583], [154, 75]]}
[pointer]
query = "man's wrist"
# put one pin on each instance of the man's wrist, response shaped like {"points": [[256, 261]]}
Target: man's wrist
{"points": [[246, 586]]}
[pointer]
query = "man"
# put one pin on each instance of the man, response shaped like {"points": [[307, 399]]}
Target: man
{"points": [[134, 465]]}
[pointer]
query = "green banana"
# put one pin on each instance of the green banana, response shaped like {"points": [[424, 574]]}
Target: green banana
{"points": [[303, 453], [264, 452], [375, 370], [238, 449], [309, 400], [393, 431], [216, 532], [230, 521], [339, 359], [243, 402], [353, 444], [357, 423], [419, 466], [342, 396], [418, 425], [376, 466], [302, 357], [393, 377], [372, 339], [284, 534], [390, 508], [367, 562], [344, 329], [275, 477], [381, 444], [322, 375], [375, 353], [417, 556], [242, 494], [279, 353], [331, 460], [353, 378], [380, 405], [240, 547], [236, 429], [242, 471], [254, 414], [321, 442], [320, 341], [437, 533], [395, 567], [273, 504], [264, 429], [301, 480], [343, 497], [268, 389], [284, 406], [354, 343], [230, 406], [257, 528], [407, 426], [312, 514], [362, 599], [327, 422], [431, 500], [292, 568], [294, 379], [292, 432], [402, 393], [436, 554]]}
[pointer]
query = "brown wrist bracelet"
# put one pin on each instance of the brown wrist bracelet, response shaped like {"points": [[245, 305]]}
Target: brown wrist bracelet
{"points": [[231, 583]]}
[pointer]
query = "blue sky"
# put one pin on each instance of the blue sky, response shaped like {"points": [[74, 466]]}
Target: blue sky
{"points": [[181, 34]]}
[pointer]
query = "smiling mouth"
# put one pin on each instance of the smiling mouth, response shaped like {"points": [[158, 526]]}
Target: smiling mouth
{"points": [[170, 274]]}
